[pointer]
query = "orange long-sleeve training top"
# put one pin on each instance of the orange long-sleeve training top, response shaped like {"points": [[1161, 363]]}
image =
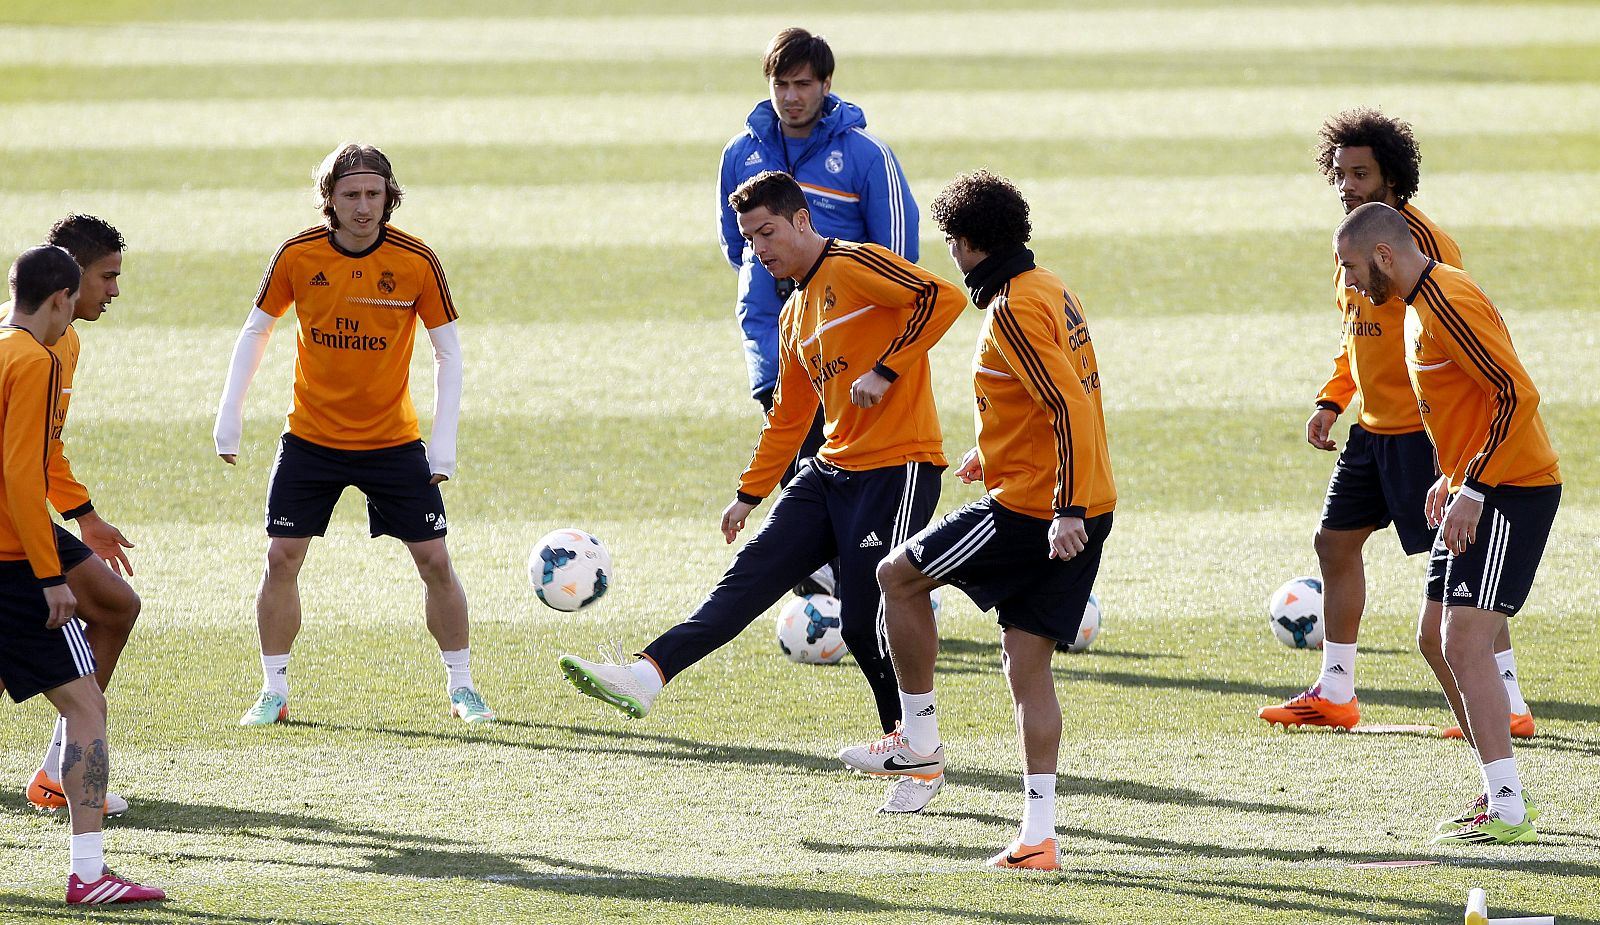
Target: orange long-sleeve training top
{"points": [[1477, 401], [861, 308], [1371, 364]]}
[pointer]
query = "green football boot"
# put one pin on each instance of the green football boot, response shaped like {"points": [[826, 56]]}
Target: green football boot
{"points": [[1489, 830], [269, 708], [468, 704], [1480, 807]]}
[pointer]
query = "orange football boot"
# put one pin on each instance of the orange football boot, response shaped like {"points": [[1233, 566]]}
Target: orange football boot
{"points": [[45, 792], [1521, 727], [1027, 857], [1311, 709]]}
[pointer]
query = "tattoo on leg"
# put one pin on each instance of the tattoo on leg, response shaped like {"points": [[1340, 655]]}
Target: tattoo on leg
{"points": [[96, 773], [71, 754]]}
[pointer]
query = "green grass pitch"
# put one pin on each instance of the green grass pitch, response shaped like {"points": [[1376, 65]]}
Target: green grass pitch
{"points": [[559, 156]]}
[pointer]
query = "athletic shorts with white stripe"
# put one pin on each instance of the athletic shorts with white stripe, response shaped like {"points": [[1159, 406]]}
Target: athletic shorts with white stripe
{"points": [[1001, 559], [1496, 571], [823, 513], [33, 659]]}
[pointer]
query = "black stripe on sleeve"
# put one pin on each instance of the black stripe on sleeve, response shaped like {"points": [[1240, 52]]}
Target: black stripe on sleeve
{"points": [[1422, 234], [422, 250], [1500, 425], [304, 237], [926, 291], [1033, 364], [51, 401]]}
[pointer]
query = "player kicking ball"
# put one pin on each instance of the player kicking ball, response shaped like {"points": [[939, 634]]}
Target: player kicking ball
{"points": [[45, 650], [854, 337], [1493, 505], [1030, 548], [358, 286]]}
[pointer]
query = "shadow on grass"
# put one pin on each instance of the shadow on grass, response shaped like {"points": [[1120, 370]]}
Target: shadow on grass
{"points": [[676, 748], [166, 913]]}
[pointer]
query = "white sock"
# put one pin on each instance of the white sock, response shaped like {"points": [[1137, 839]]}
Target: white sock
{"points": [[1507, 661], [919, 722], [648, 676], [457, 668], [51, 764], [1038, 808], [88, 856], [275, 674], [1504, 787], [1338, 679]]}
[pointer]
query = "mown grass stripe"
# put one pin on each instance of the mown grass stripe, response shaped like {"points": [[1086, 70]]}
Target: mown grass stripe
{"points": [[1217, 29], [1240, 113], [578, 216]]}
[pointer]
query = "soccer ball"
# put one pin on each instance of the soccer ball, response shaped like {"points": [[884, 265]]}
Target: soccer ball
{"points": [[1296, 612], [569, 569], [809, 630], [1088, 630]]}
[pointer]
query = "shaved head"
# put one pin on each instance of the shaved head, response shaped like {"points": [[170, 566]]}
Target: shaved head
{"points": [[1372, 224]]}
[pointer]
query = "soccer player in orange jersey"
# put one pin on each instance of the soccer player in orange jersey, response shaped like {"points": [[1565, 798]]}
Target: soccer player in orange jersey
{"points": [[358, 286], [1493, 504], [45, 650], [1383, 473], [854, 337], [94, 566], [1030, 548]]}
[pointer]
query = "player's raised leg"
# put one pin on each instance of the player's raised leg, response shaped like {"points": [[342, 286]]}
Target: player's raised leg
{"points": [[796, 538]]}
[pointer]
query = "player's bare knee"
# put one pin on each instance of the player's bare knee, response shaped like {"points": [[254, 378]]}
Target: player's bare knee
{"points": [[896, 573], [433, 565], [284, 561], [1337, 548]]}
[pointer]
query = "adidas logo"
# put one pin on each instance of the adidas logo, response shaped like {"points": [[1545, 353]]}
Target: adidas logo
{"points": [[926, 711], [1505, 792], [1461, 591], [319, 279], [871, 540], [1508, 675], [753, 159], [1336, 669], [1034, 794]]}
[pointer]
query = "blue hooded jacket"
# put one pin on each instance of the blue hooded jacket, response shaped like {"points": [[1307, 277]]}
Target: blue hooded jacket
{"points": [[854, 187]]}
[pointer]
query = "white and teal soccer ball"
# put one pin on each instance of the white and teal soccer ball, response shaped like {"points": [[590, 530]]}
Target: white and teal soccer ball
{"points": [[1296, 612], [1089, 628], [809, 630], [569, 569]]}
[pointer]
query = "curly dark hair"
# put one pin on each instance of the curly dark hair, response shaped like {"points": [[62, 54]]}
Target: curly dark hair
{"points": [[986, 211], [86, 238], [1393, 147]]}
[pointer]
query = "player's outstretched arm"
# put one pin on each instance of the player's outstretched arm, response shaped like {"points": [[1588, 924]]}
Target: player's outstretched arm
{"points": [[448, 377], [247, 353]]}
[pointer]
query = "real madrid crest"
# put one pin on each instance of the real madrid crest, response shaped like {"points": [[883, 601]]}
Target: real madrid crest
{"points": [[828, 299], [386, 282], [835, 161]]}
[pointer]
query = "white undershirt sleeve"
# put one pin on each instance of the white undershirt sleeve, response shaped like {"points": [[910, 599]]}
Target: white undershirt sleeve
{"points": [[247, 353], [446, 398]]}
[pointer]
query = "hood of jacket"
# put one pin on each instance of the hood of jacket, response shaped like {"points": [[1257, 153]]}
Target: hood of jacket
{"points": [[838, 117]]}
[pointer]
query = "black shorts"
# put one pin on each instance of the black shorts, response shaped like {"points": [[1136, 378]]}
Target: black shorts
{"points": [[71, 549], [33, 659], [307, 480], [1496, 571], [1001, 559], [1381, 479]]}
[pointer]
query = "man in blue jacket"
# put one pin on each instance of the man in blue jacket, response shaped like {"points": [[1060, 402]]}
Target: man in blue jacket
{"points": [[854, 188]]}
